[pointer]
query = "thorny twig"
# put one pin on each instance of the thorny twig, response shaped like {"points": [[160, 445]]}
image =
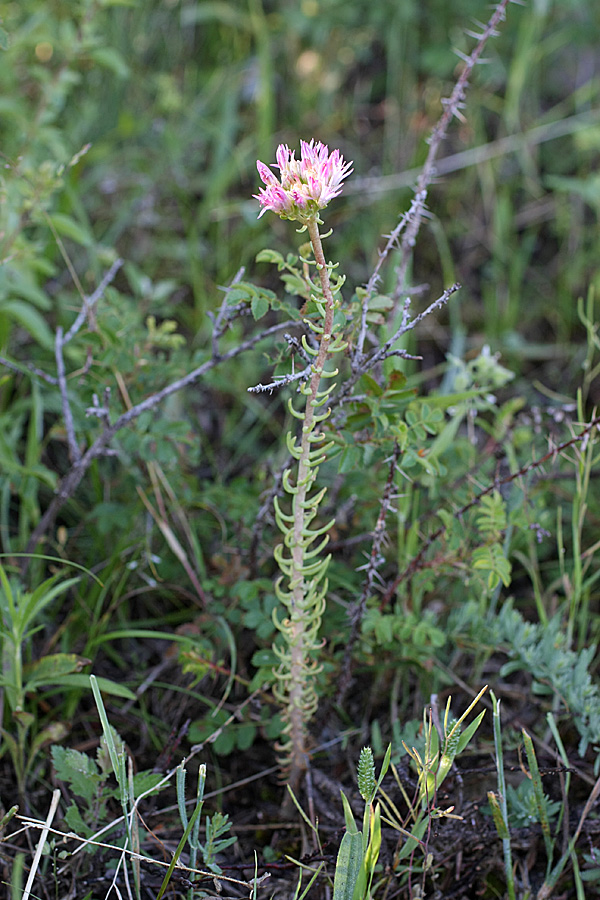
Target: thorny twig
{"points": [[392, 241], [342, 396], [27, 369], [88, 305], [101, 412], [100, 447], [265, 513], [452, 108], [72, 479], [410, 221], [226, 313], [407, 325], [74, 451], [90, 302], [282, 381], [409, 224], [417, 562], [59, 342], [370, 187], [385, 351], [357, 609]]}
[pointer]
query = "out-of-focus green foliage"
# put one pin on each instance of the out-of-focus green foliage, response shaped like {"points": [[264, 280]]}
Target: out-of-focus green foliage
{"points": [[131, 129]]}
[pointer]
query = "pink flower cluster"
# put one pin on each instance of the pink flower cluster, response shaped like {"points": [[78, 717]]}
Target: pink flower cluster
{"points": [[306, 185]]}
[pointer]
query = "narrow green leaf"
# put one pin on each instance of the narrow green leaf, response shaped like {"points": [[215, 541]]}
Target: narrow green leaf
{"points": [[178, 852], [80, 680], [469, 732], [385, 765], [498, 817], [68, 227], [540, 798], [348, 816], [30, 319], [111, 59]]}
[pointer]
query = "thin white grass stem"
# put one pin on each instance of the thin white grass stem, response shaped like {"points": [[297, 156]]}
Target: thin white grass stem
{"points": [[70, 835], [40, 847]]}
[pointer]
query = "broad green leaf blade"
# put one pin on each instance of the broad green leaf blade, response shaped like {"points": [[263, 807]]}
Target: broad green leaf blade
{"points": [[349, 861], [53, 668]]}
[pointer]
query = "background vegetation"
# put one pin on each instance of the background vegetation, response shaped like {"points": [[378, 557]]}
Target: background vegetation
{"points": [[130, 130]]}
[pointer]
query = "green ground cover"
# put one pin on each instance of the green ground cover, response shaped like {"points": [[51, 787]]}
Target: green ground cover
{"points": [[138, 473]]}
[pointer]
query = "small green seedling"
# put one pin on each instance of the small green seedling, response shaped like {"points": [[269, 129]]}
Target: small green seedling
{"points": [[359, 850]]}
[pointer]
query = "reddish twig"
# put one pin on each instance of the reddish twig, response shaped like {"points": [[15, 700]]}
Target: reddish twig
{"points": [[417, 562]]}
